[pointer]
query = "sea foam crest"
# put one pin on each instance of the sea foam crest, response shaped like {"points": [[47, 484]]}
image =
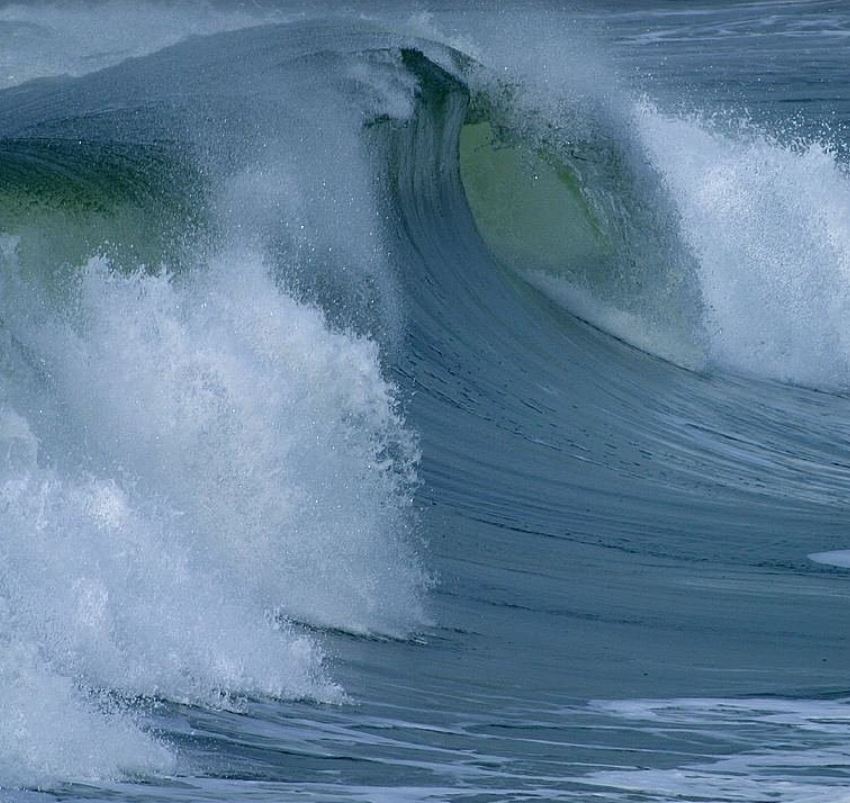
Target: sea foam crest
{"points": [[186, 467], [768, 222]]}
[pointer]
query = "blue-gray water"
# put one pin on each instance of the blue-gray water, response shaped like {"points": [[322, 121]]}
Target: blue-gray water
{"points": [[424, 404]]}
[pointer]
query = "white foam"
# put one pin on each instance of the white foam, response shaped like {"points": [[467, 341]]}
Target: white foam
{"points": [[52, 732], [185, 467], [838, 557], [769, 224], [783, 750]]}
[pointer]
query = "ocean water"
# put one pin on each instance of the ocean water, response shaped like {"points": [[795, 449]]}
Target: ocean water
{"points": [[412, 402]]}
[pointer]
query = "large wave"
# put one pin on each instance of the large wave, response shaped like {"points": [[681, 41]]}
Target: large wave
{"points": [[229, 265]]}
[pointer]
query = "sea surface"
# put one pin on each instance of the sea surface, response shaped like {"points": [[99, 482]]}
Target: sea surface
{"points": [[413, 402]]}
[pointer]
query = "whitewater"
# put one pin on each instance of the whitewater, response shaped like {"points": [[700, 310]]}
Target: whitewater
{"points": [[411, 403]]}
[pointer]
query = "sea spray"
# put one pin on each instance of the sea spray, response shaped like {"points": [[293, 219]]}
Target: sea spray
{"points": [[220, 464], [768, 222]]}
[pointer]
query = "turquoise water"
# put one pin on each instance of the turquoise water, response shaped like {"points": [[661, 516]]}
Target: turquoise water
{"points": [[330, 470]]}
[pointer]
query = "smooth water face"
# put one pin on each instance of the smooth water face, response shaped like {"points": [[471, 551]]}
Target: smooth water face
{"points": [[423, 406]]}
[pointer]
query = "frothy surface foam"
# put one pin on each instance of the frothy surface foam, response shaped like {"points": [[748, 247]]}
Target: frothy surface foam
{"points": [[187, 466], [768, 223]]}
